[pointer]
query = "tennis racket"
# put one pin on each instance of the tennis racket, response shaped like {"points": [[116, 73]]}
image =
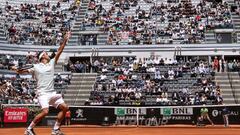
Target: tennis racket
{"points": [[25, 67]]}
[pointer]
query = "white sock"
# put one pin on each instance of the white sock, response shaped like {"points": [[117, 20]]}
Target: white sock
{"points": [[31, 126], [56, 126]]}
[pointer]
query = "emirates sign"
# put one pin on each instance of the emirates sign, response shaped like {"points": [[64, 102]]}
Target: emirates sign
{"points": [[15, 115]]}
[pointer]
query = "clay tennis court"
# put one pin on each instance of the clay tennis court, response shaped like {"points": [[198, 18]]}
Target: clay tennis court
{"points": [[164, 130]]}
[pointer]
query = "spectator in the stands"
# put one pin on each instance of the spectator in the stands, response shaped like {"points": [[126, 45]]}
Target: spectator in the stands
{"points": [[80, 67], [103, 77], [215, 64], [219, 98], [202, 70], [171, 74], [157, 75], [197, 99], [59, 80], [96, 64], [70, 66], [175, 97]]}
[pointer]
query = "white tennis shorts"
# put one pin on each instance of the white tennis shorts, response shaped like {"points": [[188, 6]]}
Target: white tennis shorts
{"points": [[51, 98]]}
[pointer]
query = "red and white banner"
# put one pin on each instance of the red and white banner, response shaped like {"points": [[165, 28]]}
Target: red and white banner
{"points": [[15, 115]]}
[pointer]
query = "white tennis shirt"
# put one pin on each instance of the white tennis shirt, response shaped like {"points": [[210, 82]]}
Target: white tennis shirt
{"points": [[44, 75]]}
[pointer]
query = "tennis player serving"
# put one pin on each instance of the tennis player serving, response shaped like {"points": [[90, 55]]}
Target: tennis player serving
{"points": [[44, 75]]}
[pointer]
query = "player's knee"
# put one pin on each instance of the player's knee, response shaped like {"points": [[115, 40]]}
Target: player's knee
{"points": [[65, 108], [45, 111]]}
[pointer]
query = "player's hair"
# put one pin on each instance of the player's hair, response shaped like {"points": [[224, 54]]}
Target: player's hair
{"points": [[39, 55]]}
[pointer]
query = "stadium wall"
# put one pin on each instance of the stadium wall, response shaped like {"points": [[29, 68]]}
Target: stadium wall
{"points": [[138, 116], [167, 51]]}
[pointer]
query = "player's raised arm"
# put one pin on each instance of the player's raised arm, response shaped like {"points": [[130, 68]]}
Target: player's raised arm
{"points": [[19, 71], [60, 49]]}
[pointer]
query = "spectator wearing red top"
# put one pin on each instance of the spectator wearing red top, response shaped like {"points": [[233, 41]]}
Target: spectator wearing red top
{"points": [[67, 118], [122, 77], [215, 64]]}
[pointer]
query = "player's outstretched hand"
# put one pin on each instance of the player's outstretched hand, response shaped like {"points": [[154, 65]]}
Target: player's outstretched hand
{"points": [[14, 68], [67, 35]]}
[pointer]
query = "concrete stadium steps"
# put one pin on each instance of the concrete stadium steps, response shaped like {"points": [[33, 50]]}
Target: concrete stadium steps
{"points": [[236, 22], [210, 38], [3, 38], [229, 88], [230, 2], [58, 67], [102, 39], [79, 18], [77, 102], [80, 88], [77, 82], [69, 96], [238, 36], [86, 79], [71, 92]]}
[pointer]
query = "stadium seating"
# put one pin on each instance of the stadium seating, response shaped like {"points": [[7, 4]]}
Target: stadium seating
{"points": [[155, 82], [109, 22], [38, 22], [146, 22]]}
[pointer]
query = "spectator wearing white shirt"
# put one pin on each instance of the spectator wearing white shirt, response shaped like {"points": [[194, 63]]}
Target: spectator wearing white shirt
{"points": [[165, 99], [202, 70], [151, 61], [166, 62], [159, 99], [170, 61], [171, 74], [103, 77], [126, 71], [151, 69], [138, 95], [104, 70], [156, 61], [157, 75]]}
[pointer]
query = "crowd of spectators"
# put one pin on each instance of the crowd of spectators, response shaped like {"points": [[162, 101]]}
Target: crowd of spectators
{"points": [[41, 24], [88, 39], [161, 23], [16, 90], [79, 67], [154, 81], [217, 64], [221, 65]]}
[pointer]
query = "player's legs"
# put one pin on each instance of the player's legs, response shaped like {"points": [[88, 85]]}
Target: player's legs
{"points": [[38, 118], [44, 103], [64, 108], [41, 115], [210, 120], [69, 121], [199, 121], [226, 122], [57, 101], [66, 122]]}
